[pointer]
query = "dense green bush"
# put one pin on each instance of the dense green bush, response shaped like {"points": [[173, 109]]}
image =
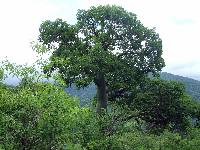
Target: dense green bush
{"points": [[165, 105], [41, 116]]}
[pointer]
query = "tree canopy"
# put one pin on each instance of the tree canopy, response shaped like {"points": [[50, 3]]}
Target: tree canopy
{"points": [[107, 46]]}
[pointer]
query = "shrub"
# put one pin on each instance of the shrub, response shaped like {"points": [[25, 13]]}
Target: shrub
{"points": [[41, 116]]}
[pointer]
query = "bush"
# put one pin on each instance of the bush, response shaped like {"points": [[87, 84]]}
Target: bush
{"points": [[42, 116]]}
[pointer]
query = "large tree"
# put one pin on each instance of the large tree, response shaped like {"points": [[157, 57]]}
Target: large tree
{"points": [[108, 46]]}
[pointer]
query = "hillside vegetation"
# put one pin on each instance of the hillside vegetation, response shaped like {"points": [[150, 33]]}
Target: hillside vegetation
{"points": [[192, 86], [37, 115]]}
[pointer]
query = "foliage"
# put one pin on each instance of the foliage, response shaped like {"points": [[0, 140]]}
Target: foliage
{"points": [[40, 116], [192, 86], [43, 116], [164, 105], [1, 74], [107, 46]]}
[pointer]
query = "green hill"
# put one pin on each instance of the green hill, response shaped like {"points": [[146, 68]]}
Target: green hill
{"points": [[192, 87], [85, 94]]}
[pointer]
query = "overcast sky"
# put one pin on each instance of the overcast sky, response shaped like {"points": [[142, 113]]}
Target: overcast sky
{"points": [[176, 21]]}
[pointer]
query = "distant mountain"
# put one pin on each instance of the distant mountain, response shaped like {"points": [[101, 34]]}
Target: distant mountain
{"points": [[85, 94], [192, 88]]}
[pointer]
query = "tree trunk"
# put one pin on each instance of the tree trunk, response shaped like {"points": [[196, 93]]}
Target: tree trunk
{"points": [[102, 96]]}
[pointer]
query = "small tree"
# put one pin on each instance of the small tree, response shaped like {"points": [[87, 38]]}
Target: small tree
{"points": [[107, 46], [165, 105]]}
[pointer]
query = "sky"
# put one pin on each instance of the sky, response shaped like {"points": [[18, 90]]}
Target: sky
{"points": [[176, 21]]}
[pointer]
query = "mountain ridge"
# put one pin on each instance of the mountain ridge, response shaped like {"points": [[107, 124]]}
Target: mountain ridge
{"points": [[192, 87]]}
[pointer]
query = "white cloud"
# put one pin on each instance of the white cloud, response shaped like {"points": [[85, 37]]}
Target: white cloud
{"points": [[177, 22]]}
